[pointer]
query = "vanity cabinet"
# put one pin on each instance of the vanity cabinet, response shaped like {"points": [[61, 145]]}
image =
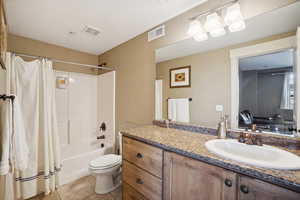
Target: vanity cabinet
{"points": [[253, 189], [153, 173], [186, 178]]}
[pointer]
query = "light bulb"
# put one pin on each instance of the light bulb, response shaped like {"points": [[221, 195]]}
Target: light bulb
{"points": [[200, 36], [194, 27], [237, 26], [214, 25], [217, 32], [234, 18]]}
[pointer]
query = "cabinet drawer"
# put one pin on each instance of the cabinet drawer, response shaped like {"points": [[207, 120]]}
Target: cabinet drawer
{"points": [[147, 184], [145, 156], [131, 194]]}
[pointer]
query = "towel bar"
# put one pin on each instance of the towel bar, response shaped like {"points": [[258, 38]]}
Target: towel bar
{"points": [[190, 99]]}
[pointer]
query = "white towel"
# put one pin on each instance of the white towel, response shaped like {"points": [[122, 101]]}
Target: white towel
{"points": [[183, 110], [179, 110], [172, 109]]}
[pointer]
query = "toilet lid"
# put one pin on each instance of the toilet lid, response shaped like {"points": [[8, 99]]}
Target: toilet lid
{"points": [[105, 161]]}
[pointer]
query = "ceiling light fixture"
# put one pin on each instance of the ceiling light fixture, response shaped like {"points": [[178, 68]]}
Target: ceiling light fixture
{"points": [[234, 18], [194, 27], [200, 36], [214, 25], [197, 31]]}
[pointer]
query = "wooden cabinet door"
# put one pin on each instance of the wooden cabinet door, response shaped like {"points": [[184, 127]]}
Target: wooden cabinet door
{"points": [[131, 194], [189, 179], [253, 189]]}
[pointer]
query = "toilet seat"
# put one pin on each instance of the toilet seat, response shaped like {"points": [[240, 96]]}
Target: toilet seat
{"points": [[106, 161]]}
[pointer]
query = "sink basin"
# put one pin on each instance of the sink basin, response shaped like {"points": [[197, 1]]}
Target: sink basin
{"points": [[260, 156]]}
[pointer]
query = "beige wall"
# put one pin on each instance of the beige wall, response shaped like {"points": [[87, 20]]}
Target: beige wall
{"points": [[33, 47], [135, 77], [210, 73], [134, 62]]}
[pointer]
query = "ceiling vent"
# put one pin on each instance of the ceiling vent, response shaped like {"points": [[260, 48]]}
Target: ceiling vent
{"points": [[156, 33], [91, 30]]}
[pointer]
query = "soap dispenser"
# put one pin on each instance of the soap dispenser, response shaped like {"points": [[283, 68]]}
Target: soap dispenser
{"points": [[222, 128]]}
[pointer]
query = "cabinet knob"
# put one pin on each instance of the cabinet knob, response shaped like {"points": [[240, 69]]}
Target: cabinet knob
{"points": [[139, 155], [139, 181], [228, 182], [244, 189]]}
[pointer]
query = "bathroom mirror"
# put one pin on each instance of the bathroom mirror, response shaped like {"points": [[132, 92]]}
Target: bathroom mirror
{"points": [[256, 88], [267, 92]]}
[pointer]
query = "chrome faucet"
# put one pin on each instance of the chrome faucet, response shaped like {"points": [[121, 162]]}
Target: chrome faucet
{"points": [[250, 139]]}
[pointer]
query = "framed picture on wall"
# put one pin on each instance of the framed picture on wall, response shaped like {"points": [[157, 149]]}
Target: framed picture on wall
{"points": [[180, 77]]}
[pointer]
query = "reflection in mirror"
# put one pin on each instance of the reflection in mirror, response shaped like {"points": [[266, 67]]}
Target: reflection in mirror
{"points": [[193, 79], [267, 89]]}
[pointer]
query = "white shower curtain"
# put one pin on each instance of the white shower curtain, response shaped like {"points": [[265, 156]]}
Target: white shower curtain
{"points": [[33, 84]]}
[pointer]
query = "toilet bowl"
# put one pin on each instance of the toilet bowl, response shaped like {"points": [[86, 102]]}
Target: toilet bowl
{"points": [[107, 170]]}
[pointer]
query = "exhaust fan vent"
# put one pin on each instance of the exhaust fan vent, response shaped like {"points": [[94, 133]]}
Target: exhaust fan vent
{"points": [[91, 30], [156, 33]]}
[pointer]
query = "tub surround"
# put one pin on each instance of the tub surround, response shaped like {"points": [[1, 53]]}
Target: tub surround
{"points": [[191, 145]]}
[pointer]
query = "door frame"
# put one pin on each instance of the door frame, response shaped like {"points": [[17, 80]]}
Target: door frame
{"points": [[248, 51]]}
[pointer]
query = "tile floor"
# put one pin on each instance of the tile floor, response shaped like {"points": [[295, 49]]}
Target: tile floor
{"points": [[82, 189]]}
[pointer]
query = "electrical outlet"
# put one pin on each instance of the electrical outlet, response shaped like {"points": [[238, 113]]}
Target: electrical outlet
{"points": [[219, 108]]}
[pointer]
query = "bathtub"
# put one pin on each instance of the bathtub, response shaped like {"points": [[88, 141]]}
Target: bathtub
{"points": [[76, 167]]}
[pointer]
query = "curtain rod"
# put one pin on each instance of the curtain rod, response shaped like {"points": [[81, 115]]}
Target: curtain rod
{"points": [[66, 62]]}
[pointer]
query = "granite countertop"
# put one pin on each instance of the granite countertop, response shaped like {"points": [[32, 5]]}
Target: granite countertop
{"points": [[191, 144]]}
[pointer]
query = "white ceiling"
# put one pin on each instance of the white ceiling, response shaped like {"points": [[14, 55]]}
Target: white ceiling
{"points": [[268, 61], [278, 21], [118, 20]]}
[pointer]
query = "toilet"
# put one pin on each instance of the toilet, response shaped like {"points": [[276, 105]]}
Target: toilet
{"points": [[107, 171]]}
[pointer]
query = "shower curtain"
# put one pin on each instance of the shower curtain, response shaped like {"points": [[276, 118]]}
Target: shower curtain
{"points": [[33, 84]]}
